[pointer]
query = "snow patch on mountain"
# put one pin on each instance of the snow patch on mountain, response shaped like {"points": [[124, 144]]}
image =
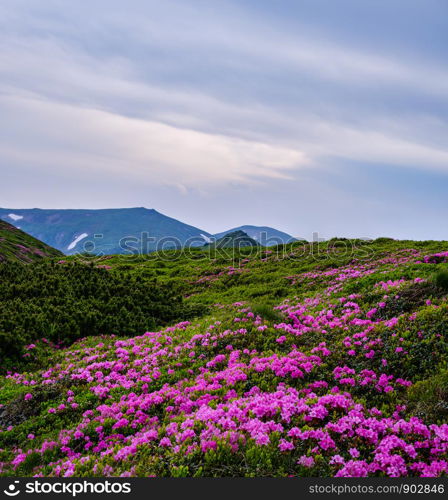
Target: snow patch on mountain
{"points": [[77, 240], [15, 216]]}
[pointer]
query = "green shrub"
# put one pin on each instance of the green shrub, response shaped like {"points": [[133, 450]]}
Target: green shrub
{"points": [[429, 398], [267, 312], [441, 280], [383, 239], [63, 303]]}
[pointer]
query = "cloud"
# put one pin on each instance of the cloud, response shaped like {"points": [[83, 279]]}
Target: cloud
{"points": [[283, 92], [60, 137], [372, 146]]}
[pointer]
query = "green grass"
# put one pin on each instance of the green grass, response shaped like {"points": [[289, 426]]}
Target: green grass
{"points": [[207, 286]]}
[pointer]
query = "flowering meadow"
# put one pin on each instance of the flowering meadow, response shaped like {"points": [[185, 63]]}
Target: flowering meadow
{"points": [[298, 365]]}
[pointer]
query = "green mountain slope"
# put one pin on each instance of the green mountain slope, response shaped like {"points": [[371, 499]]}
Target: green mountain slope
{"points": [[236, 239], [264, 235], [15, 245]]}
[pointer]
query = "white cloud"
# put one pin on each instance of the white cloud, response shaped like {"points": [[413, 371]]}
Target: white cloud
{"points": [[375, 146], [66, 107], [60, 136]]}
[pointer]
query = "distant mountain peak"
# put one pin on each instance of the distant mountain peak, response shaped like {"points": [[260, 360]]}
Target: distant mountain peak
{"points": [[236, 239], [264, 235]]}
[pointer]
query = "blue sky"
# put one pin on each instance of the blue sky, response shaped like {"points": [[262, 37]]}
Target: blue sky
{"points": [[306, 115]]}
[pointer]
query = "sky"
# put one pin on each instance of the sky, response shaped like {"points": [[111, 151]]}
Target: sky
{"points": [[311, 116]]}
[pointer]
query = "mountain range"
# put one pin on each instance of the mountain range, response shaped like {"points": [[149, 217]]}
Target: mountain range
{"points": [[121, 230]]}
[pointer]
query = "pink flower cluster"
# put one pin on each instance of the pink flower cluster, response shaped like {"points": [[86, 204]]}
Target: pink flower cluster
{"points": [[191, 390]]}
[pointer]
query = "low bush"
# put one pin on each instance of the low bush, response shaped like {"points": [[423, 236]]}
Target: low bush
{"points": [[441, 280], [62, 303]]}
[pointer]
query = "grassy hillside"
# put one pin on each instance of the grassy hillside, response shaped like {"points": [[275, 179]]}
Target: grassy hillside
{"points": [[306, 360], [15, 245]]}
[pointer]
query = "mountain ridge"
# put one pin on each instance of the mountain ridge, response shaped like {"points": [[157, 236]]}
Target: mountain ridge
{"points": [[264, 235], [121, 230], [106, 231], [235, 239]]}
